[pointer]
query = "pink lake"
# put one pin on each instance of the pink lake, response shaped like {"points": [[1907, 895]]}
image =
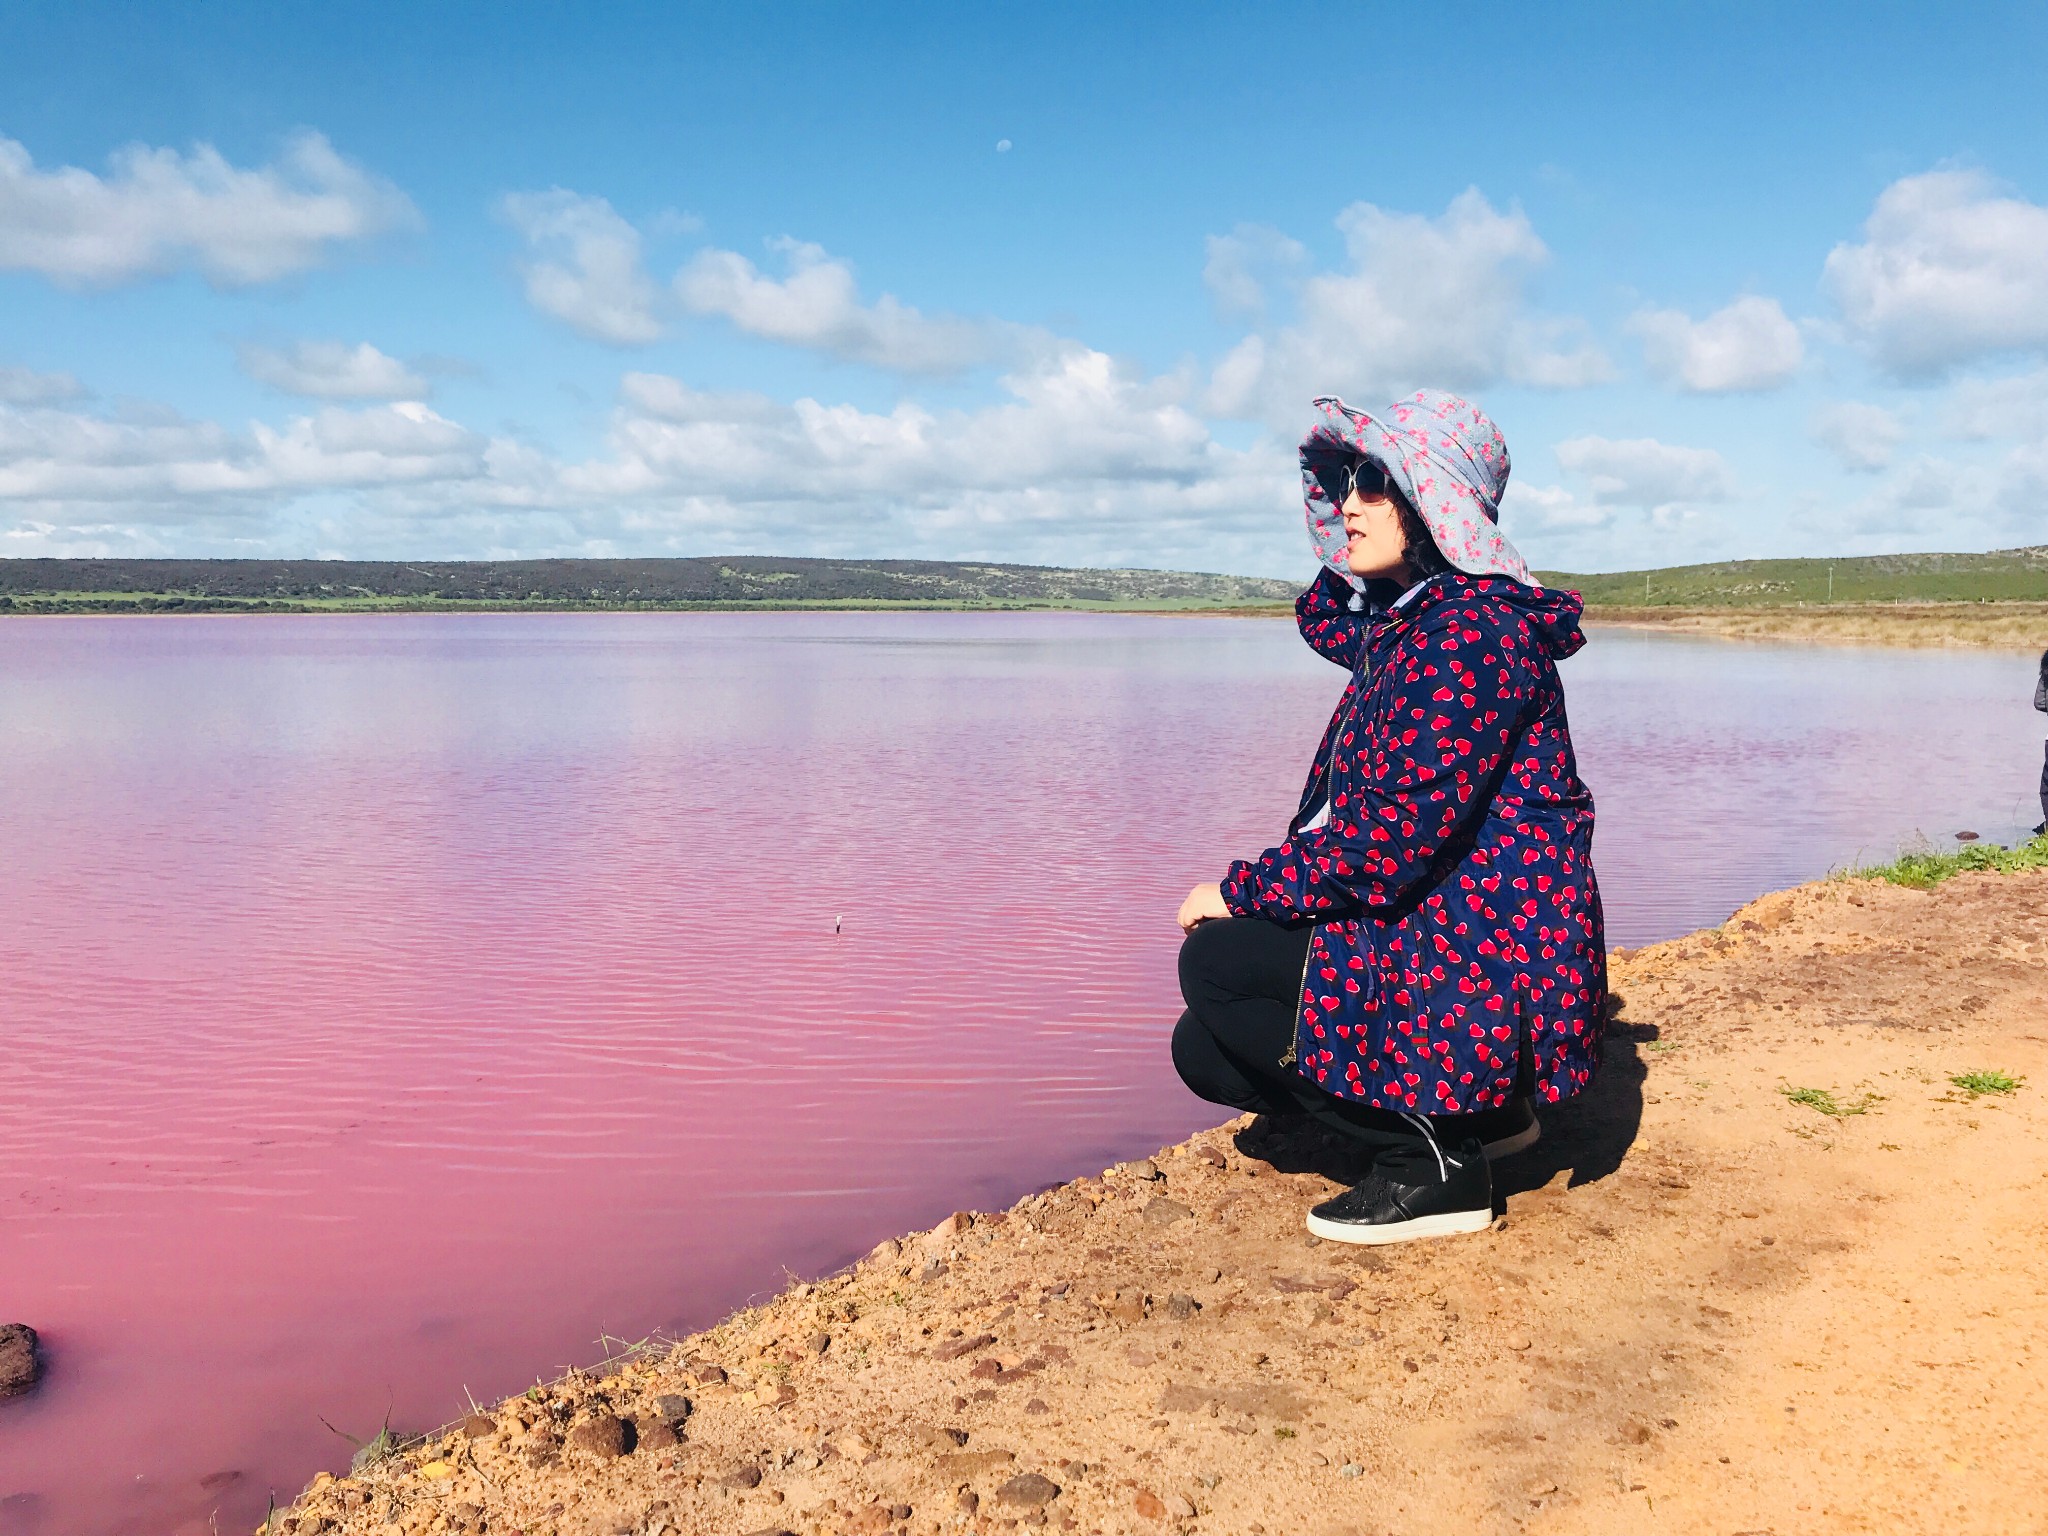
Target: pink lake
{"points": [[391, 1006]]}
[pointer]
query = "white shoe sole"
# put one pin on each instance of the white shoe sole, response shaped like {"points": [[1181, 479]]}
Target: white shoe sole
{"points": [[1449, 1224], [1508, 1146]]}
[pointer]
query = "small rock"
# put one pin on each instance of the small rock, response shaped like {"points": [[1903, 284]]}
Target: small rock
{"points": [[1143, 1168], [1539, 1487], [708, 1376], [967, 1501], [1181, 1306], [1319, 1458], [1149, 1505], [1212, 1157], [1520, 1341], [773, 1394], [1037, 1405], [1181, 1507], [953, 1349], [937, 1437], [1636, 1434], [887, 1251], [772, 1530], [900, 1511], [818, 1343], [932, 1271], [21, 1365], [745, 1475], [1350, 1469], [1029, 1490], [477, 1425], [653, 1433], [672, 1406], [603, 1435], [1164, 1212]]}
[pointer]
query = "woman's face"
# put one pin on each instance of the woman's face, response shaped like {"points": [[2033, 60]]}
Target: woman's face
{"points": [[1377, 546]]}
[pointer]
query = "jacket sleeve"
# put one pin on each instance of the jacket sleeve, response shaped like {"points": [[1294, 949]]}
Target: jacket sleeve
{"points": [[2040, 685], [1327, 622], [1454, 694]]}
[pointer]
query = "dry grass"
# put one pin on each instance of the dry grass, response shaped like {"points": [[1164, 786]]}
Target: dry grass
{"points": [[1966, 626]]}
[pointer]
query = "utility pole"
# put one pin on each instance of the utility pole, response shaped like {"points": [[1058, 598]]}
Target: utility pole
{"points": [[1831, 581], [1646, 586]]}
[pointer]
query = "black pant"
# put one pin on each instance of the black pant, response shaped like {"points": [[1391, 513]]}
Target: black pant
{"points": [[1241, 977], [2044, 784]]}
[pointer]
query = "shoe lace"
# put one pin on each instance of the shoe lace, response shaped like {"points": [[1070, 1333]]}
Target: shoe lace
{"points": [[1421, 1123]]}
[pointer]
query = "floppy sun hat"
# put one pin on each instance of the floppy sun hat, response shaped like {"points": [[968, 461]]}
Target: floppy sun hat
{"points": [[1442, 453]]}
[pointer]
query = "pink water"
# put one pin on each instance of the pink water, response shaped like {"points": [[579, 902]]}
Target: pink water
{"points": [[389, 1006]]}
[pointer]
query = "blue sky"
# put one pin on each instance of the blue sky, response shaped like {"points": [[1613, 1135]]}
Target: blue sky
{"points": [[1049, 283]]}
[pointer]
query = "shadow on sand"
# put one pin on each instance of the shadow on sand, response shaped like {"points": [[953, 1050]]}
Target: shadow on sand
{"points": [[1586, 1137]]}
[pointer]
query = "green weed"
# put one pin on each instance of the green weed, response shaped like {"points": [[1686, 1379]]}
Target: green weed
{"points": [[1923, 868], [1826, 1103], [1282, 1432], [1974, 1083]]}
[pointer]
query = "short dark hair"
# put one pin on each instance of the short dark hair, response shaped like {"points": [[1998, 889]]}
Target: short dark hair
{"points": [[1419, 548]]}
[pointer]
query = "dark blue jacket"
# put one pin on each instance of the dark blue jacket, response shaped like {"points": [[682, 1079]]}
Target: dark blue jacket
{"points": [[1458, 944]]}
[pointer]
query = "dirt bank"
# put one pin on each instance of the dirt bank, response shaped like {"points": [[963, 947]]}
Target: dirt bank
{"points": [[1960, 626], [1712, 1305]]}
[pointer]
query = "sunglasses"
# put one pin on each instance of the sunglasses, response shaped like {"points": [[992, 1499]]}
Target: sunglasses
{"points": [[1370, 480]]}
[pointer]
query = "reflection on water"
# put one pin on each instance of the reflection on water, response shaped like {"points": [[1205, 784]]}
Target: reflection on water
{"points": [[394, 1004]]}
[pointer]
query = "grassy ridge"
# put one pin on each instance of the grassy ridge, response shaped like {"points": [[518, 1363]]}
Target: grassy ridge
{"points": [[2006, 575], [199, 586]]}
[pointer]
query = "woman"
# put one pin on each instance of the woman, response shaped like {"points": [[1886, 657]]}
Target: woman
{"points": [[1422, 955], [2041, 703]]}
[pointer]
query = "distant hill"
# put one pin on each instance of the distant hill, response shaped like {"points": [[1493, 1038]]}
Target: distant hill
{"points": [[2004, 575], [75, 586]]}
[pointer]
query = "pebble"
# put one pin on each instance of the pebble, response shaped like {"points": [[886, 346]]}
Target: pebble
{"points": [[603, 1435], [745, 1475], [1029, 1490], [953, 1349], [1212, 1157], [1164, 1212], [1180, 1306], [1181, 1507], [477, 1425], [818, 1343], [1350, 1469], [21, 1365], [1149, 1505], [672, 1406], [1520, 1341]]}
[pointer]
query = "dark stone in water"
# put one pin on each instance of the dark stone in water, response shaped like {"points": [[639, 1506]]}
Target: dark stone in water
{"points": [[213, 1482], [21, 1363]]}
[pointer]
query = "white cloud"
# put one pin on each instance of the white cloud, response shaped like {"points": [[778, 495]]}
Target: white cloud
{"points": [[1861, 436], [331, 370], [1426, 301], [1235, 272], [159, 211], [817, 306], [24, 386], [1642, 472], [1948, 270], [1980, 410], [1081, 460], [1748, 345], [589, 274]]}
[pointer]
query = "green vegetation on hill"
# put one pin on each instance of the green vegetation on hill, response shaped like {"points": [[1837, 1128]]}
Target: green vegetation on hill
{"points": [[201, 586], [2005, 575]]}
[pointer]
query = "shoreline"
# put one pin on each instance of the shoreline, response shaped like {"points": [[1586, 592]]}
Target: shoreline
{"points": [[1746, 1281], [2019, 627], [2001, 626]]}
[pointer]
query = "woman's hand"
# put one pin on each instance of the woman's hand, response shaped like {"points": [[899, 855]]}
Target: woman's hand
{"points": [[1204, 902]]}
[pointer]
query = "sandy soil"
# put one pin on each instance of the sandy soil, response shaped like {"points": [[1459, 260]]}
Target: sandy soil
{"points": [[1706, 1308], [1964, 626]]}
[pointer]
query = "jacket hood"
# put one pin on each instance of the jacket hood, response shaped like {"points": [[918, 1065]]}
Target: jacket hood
{"points": [[1553, 615], [1449, 460]]}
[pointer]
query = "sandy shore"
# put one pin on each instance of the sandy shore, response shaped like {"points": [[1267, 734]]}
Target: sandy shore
{"points": [[1960, 626], [1710, 1306]]}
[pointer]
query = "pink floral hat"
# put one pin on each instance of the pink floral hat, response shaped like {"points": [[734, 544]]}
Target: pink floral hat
{"points": [[1448, 459]]}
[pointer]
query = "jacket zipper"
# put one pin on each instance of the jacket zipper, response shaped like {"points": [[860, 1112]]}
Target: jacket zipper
{"points": [[1293, 1056]]}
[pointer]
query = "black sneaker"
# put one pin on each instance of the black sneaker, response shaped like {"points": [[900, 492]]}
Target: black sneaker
{"points": [[1411, 1192]]}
